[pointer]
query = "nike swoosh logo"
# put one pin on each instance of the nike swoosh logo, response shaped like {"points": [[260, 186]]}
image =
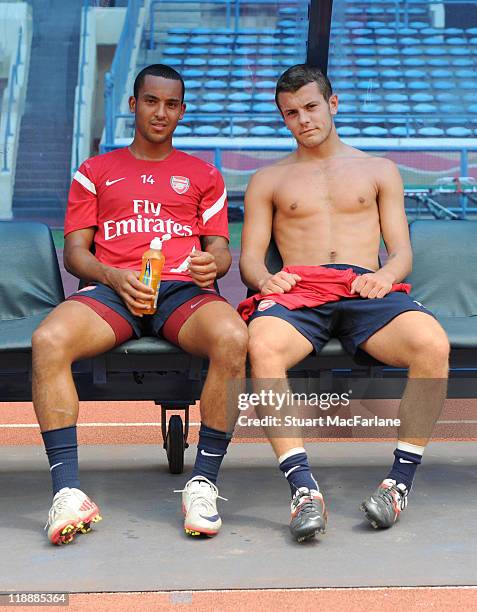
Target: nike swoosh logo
{"points": [[196, 304], [291, 470], [56, 465], [401, 460], [206, 454], [108, 182], [212, 519]]}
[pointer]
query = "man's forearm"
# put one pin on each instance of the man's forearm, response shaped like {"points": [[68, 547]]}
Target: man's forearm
{"points": [[253, 273], [223, 260], [83, 264], [398, 265]]}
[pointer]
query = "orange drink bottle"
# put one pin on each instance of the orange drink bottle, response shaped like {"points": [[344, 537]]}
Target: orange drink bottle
{"points": [[151, 270]]}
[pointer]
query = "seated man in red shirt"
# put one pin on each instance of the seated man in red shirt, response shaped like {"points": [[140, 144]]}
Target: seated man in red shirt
{"points": [[119, 202], [327, 206]]}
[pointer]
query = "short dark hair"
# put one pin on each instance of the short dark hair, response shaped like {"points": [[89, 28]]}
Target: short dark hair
{"points": [[159, 70], [296, 77]]}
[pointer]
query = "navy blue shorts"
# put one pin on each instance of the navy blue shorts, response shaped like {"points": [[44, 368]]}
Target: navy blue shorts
{"points": [[177, 301], [351, 320]]}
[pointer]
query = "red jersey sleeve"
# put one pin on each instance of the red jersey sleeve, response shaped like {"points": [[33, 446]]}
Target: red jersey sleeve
{"points": [[213, 219], [82, 209]]}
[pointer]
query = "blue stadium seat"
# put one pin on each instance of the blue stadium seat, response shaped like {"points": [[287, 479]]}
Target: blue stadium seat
{"points": [[264, 107], [410, 40], [415, 74], [459, 132], [398, 108], [362, 31], [238, 61], [262, 130], [348, 108], [458, 51], [289, 51], [390, 61], [433, 40], [418, 85], [192, 84], [446, 96], [373, 24], [269, 40], [421, 97], [462, 61], [441, 85], [174, 61], [191, 97], [375, 131], [283, 131], [430, 131], [268, 61], [221, 51], [192, 73], [434, 51], [240, 84], [395, 97], [247, 39], [447, 108], [425, 108], [466, 73], [240, 96], [217, 73], [239, 107], [411, 51], [223, 40], [363, 40], [371, 108], [207, 130], [245, 50], [414, 61], [216, 84], [202, 40], [392, 73], [179, 31], [386, 51], [408, 31], [264, 96], [438, 61], [213, 96], [453, 30], [402, 131], [182, 130], [470, 97], [442, 73], [286, 23], [176, 40], [265, 84], [394, 85], [348, 130], [240, 73], [472, 108], [346, 97], [219, 61], [191, 107], [366, 62], [456, 40], [174, 51], [212, 107], [471, 31], [386, 40], [418, 25], [267, 72], [367, 73], [341, 73], [364, 51], [194, 61], [389, 31]]}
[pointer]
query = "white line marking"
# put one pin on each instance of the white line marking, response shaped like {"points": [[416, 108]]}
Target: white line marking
{"points": [[35, 425]]}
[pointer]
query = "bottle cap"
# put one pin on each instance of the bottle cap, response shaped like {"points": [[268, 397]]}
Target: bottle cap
{"points": [[156, 243]]}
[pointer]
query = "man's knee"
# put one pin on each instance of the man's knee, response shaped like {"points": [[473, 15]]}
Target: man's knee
{"points": [[229, 341], [50, 342], [264, 348], [430, 347]]}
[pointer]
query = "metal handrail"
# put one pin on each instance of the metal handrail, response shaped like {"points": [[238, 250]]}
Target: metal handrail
{"points": [[13, 81]]}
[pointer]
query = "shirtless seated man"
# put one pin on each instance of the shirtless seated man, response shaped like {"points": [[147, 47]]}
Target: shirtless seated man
{"points": [[119, 202], [327, 206]]}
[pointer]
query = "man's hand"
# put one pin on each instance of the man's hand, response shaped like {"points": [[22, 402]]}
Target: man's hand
{"points": [[372, 285], [281, 282], [136, 295], [203, 268]]}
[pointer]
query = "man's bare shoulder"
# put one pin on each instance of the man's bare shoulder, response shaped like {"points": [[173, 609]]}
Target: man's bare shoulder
{"points": [[272, 173]]}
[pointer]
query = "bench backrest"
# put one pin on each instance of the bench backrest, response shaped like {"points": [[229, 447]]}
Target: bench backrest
{"points": [[30, 279], [444, 275]]}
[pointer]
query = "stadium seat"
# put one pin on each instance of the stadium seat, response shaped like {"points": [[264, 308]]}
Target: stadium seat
{"points": [[240, 84], [414, 61], [371, 108], [395, 97], [412, 51], [265, 85], [456, 40], [394, 85], [433, 40], [375, 131], [430, 131], [174, 61], [386, 51], [182, 130], [192, 73], [264, 107], [212, 107], [348, 108], [459, 132], [216, 84], [240, 96], [191, 84], [238, 61], [386, 40], [462, 61], [266, 72], [398, 108], [438, 61], [264, 96], [239, 107], [402, 131], [446, 96], [213, 96], [366, 62], [421, 97], [347, 130], [410, 40], [346, 97], [218, 73], [221, 51], [218, 61], [177, 40], [262, 130], [367, 73], [194, 61], [389, 61], [223, 40], [418, 85], [425, 108], [207, 130], [458, 51], [174, 51], [434, 51], [242, 51], [415, 74]]}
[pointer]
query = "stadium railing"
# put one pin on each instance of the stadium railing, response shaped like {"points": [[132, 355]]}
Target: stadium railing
{"points": [[443, 278]]}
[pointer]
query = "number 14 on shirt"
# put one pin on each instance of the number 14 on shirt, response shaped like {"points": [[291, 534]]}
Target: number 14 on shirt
{"points": [[147, 178]]}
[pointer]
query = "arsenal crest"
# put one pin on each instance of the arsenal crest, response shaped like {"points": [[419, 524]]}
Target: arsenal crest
{"points": [[265, 305], [180, 184]]}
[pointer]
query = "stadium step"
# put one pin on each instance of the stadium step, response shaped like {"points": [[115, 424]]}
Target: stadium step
{"points": [[44, 153]]}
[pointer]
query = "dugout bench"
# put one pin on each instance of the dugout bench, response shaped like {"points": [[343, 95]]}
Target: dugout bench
{"points": [[444, 278]]}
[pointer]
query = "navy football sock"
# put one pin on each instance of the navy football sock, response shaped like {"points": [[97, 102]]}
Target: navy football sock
{"points": [[405, 465], [294, 465], [211, 449], [61, 446]]}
